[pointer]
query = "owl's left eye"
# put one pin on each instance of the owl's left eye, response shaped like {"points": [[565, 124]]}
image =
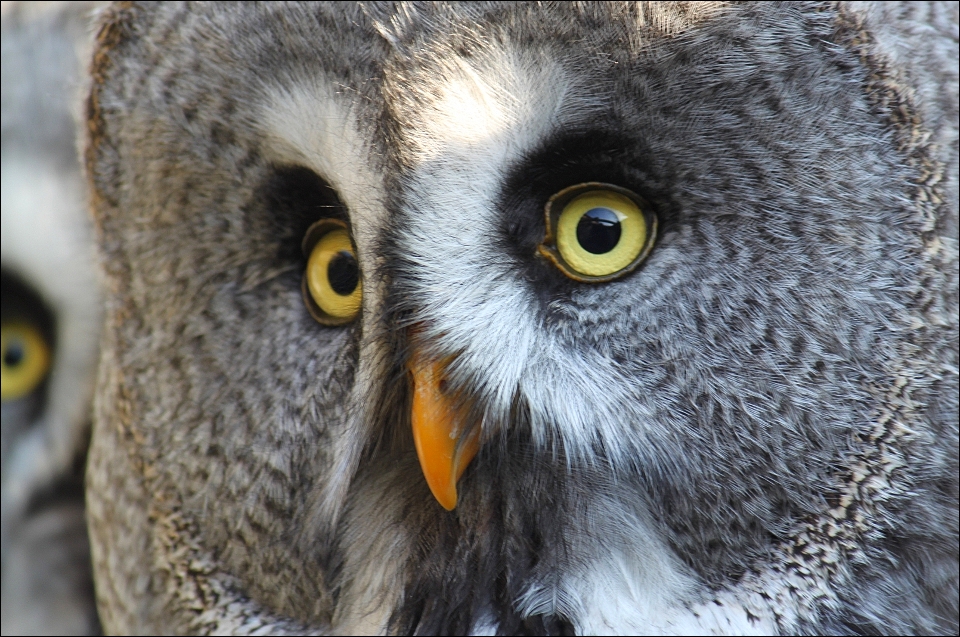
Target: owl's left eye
{"points": [[331, 285], [597, 232], [25, 360]]}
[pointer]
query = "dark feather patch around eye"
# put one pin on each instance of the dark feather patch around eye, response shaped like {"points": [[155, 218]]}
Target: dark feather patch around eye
{"points": [[296, 197], [21, 303], [567, 159]]}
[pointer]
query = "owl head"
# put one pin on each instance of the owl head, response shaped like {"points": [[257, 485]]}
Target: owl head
{"points": [[49, 323], [526, 318]]}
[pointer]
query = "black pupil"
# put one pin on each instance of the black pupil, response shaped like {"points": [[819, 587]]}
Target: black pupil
{"points": [[599, 230], [13, 355], [343, 274]]}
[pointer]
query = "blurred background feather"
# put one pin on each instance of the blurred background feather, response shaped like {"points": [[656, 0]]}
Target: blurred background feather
{"points": [[51, 315]]}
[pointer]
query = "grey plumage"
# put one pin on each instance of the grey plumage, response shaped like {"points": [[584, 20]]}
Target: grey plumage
{"points": [[755, 431], [49, 283]]}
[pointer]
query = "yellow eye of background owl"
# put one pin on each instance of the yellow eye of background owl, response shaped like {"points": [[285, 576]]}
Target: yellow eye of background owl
{"points": [[25, 359], [331, 283], [597, 232]]}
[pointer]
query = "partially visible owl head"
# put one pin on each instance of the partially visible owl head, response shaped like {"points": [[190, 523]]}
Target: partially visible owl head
{"points": [[526, 318], [50, 322]]}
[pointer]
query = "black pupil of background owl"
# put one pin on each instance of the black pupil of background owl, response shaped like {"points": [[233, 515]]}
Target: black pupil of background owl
{"points": [[13, 355], [343, 274], [598, 231]]}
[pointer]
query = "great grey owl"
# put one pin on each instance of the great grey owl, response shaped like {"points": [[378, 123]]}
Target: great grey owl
{"points": [[50, 323], [526, 318]]}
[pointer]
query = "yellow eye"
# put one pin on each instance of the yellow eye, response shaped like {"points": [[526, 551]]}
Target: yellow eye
{"points": [[331, 283], [25, 360], [597, 232]]}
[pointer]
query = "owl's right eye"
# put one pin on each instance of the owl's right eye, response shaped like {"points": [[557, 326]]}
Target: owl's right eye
{"points": [[331, 287], [24, 361]]}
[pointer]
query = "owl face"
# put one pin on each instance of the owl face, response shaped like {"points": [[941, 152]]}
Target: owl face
{"points": [[511, 318], [49, 326]]}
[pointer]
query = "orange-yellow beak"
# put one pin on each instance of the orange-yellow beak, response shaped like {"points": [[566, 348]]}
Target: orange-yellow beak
{"points": [[445, 444]]}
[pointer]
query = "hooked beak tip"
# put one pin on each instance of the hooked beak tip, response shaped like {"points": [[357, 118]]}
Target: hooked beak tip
{"points": [[445, 445]]}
